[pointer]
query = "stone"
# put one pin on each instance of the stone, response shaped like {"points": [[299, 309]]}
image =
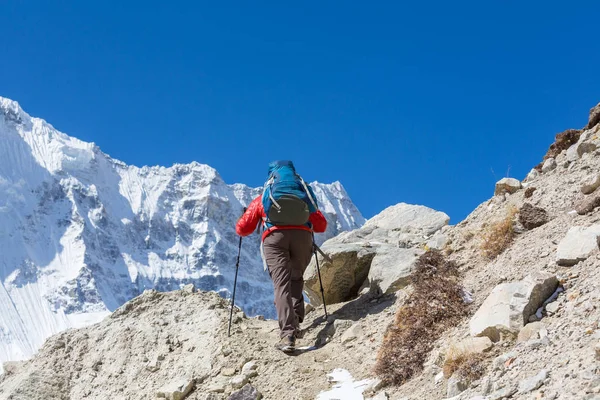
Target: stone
{"points": [[549, 165], [588, 204], [597, 350], [456, 385], [343, 278], [552, 308], [507, 185], [529, 192], [408, 218], [237, 382], [250, 369], [467, 346], [591, 184], [176, 390], [248, 392], [508, 307], [533, 383], [530, 331], [228, 371], [391, 269], [577, 245], [572, 154], [532, 217], [351, 333], [534, 173], [503, 393], [594, 118]]}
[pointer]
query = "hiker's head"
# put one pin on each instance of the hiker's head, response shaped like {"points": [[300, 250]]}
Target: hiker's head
{"points": [[275, 165]]}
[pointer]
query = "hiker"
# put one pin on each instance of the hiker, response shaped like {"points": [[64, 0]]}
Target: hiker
{"points": [[289, 214]]}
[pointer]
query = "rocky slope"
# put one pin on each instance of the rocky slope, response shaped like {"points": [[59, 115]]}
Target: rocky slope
{"points": [[82, 233], [530, 267]]}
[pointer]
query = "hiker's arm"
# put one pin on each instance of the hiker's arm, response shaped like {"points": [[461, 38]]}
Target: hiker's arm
{"points": [[247, 222], [318, 221]]}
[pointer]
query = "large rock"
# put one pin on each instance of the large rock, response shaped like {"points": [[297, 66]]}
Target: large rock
{"points": [[532, 217], [508, 308], [577, 245], [341, 279], [391, 269], [588, 204], [507, 185], [406, 218], [381, 254], [591, 184]]}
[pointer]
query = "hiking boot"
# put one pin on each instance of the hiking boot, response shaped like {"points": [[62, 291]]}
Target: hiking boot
{"points": [[286, 344]]}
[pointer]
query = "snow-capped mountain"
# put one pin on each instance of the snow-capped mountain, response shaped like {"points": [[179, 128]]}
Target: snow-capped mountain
{"points": [[82, 233]]}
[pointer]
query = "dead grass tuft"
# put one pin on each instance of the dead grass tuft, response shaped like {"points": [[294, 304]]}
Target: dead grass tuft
{"points": [[470, 367], [435, 304], [497, 237]]}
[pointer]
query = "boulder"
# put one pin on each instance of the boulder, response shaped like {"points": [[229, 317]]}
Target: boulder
{"points": [[351, 333], [379, 255], [176, 390], [408, 218], [594, 118], [588, 204], [248, 392], [530, 331], [549, 165], [532, 217], [577, 245], [391, 269], [591, 184], [507, 309], [507, 185], [341, 279]]}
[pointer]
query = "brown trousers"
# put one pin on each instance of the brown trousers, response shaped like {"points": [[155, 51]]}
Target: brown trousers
{"points": [[288, 253]]}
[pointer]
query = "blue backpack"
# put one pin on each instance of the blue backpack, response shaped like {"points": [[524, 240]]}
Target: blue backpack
{"points": [[287, 199]]}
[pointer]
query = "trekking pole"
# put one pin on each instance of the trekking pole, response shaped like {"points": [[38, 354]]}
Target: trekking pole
{"points": [[237, 266], [315, 247]]}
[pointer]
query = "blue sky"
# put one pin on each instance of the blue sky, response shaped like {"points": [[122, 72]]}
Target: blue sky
{"points": [[429, 102]]}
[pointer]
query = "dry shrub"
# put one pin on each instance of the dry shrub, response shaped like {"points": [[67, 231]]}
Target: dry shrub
{"points": [[469, 366], [563, 141], [435, 304], [496, 237]]}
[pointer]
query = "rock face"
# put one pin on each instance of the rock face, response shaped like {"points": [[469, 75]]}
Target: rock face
{"points": [[508, 308], [532, 217], [507, 185], [380, 255], [577, 245]]}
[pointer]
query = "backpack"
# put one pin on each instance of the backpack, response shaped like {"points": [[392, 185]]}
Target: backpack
{"points": [[287, 199]]}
